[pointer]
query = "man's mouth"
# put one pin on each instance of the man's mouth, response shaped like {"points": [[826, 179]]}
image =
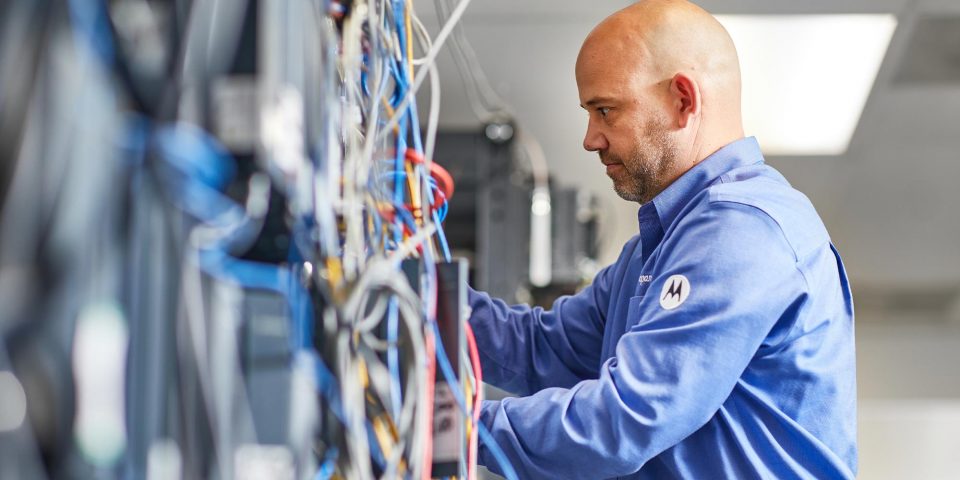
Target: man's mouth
{"points": [[613, 167], [607, 160], [611, 164]]}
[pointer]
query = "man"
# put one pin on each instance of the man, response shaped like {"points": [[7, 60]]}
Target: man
{"points": [[720, 343]]}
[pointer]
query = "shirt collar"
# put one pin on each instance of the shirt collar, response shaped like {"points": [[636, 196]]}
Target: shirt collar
{"points": [[671, 200]]}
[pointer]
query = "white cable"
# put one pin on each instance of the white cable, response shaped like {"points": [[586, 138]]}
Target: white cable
{"points": [[430, 58], [354, 412], [382, 274], [425, 42], [354, 171], [433, 120]]}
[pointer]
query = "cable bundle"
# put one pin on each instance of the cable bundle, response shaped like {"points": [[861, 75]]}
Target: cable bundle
{"points": [[334, 174]]}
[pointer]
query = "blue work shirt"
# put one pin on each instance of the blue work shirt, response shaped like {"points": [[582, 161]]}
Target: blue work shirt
{"points": [[719, 345]]}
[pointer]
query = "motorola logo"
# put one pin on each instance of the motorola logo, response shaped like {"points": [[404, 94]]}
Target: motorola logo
{"points": [[675, 291]]}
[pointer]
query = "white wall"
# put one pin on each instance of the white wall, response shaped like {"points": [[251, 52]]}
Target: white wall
{"points": [[909, 439]]}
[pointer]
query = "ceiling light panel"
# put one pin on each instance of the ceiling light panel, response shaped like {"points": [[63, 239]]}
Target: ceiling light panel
{"points": [[806, 78]]}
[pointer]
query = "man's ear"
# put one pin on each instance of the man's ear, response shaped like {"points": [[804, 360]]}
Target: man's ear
{"points": [[685, 93]]}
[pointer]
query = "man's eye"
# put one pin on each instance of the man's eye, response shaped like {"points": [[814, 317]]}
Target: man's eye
{"points": [[603, 111]]}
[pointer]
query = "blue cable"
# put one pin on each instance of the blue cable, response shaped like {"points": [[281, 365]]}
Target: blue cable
{"points": [[136, 138], [396, 98], [207, 167], [487, 438], [415, 127], [92, 27], [363, 74], [197, 154], [375, 451], [398, 182], [264, 276], [402, 216], [442, 236], [202, 169], [484, 434], [434, 190], [442, 212], [326, 384], [400, 70], [205, 171], [329, 465]]}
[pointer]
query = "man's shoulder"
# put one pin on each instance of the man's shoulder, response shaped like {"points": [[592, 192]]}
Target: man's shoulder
{"points": [[767, 193]]}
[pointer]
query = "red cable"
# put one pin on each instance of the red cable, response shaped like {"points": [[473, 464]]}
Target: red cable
{"points": [[440, 174], [428, 399], [478, 374]]}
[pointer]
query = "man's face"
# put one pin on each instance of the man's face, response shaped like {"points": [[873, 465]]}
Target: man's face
{"points": [[643, 169], [628, 126]]}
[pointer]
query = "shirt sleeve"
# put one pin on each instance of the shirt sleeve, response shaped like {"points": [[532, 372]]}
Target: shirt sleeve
{"points": [[524, 349], [674, 368]]}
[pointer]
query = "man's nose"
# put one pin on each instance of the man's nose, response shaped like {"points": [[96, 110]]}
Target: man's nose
{"points": [[594, 140]]}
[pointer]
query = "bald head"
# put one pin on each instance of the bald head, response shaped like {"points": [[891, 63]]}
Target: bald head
{"points": [[666, 65], [667, 36]]}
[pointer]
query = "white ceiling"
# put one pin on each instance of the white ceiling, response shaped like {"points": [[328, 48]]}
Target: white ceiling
{"points": [[891, 202]]}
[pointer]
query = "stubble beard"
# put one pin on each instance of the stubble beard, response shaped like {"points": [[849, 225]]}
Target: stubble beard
{"points": [[647, 168]]}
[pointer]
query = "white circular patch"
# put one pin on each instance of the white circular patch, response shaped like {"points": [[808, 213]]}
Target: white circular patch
{"points": [[675, 291]]}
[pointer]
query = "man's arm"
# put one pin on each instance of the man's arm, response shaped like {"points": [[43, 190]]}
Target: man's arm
{"points": [[674, 369], [523, 349]]}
